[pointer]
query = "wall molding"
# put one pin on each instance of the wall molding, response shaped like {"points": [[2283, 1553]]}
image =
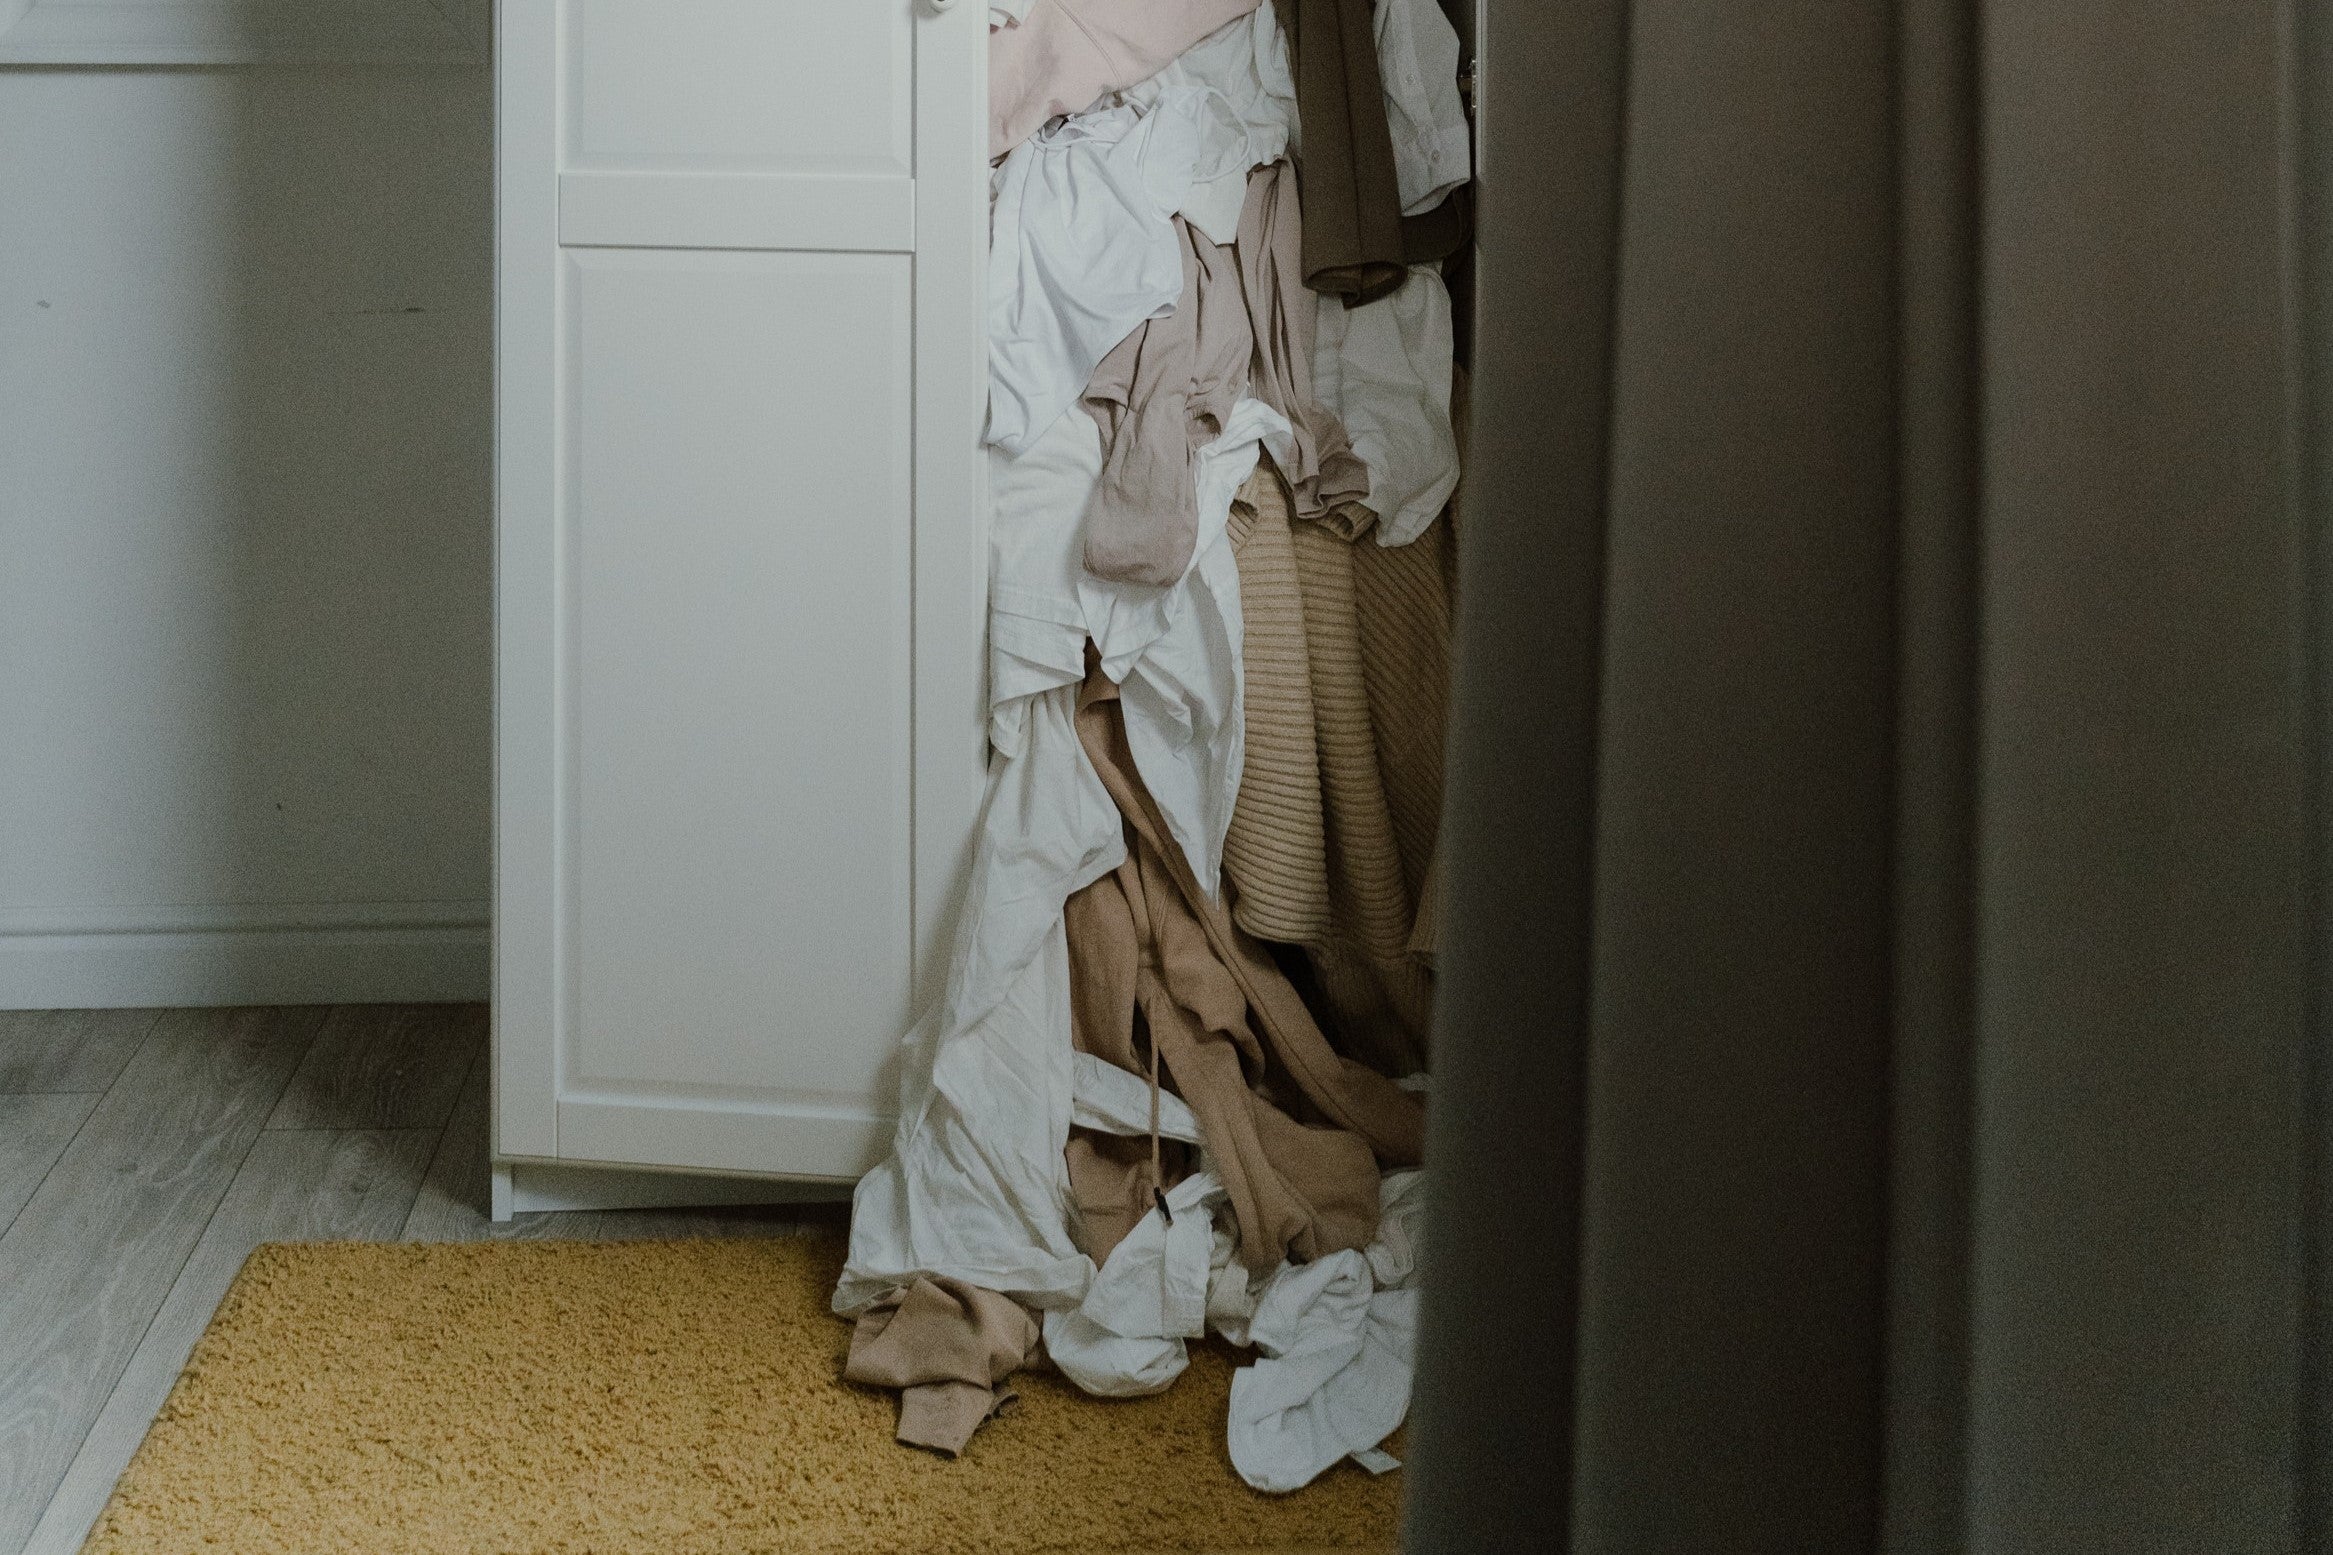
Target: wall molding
{"points": [[244, 953], [244, 32]]}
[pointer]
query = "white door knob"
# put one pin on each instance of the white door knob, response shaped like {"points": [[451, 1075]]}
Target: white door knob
{"points": [[937, 6]]}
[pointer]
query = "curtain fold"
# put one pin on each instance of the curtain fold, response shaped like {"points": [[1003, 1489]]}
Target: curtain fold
{"points": [[1933, 945], [1732, 1258], [1881, 1065], [2311, 129], [1504, 1126], [2141, 863]]}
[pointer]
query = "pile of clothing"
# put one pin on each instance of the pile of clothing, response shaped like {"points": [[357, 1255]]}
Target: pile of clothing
{"points": [[1176, 1080]]}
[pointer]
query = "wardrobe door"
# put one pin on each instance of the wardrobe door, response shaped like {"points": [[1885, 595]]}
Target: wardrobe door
{"points": [[740, 566]]}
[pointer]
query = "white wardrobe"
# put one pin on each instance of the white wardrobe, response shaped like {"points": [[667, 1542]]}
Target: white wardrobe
{"points": [[740, 569]]}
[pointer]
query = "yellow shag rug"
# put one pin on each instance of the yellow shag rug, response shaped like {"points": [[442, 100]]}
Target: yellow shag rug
{"points": [[667, 1397]]}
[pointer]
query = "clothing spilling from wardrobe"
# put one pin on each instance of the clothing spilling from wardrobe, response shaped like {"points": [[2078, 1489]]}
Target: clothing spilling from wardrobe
{"points": [[1176, 1080]]}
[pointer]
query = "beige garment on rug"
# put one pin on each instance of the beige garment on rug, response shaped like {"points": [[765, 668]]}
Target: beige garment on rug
{"points": [[947, 1346], [1244, 326], [1332, 840], [1164, 984]]}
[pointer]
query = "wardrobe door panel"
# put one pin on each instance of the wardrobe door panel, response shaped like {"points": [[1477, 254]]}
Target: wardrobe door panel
{"points": [[745, 123], [740, 567], [771, 86], [741, 524]]}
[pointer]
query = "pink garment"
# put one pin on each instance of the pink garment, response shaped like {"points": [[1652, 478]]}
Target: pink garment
{"points": [[1066, 53]]}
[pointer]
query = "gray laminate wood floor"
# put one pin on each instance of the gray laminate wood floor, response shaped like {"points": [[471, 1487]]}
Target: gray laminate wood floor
{"points": [[144, 1153]]}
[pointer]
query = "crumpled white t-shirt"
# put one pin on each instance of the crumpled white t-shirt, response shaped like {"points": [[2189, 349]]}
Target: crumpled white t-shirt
{"points": [[1338, 1335], [1384, 368], [1339, 1342], [1130, 1335], [1081, 250]]}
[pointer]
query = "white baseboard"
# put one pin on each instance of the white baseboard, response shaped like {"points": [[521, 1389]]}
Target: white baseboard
{"points": [[521, 1187], [281, 953]]}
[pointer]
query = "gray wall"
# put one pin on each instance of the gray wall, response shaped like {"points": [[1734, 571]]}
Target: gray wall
{"points": [[244, 551]]}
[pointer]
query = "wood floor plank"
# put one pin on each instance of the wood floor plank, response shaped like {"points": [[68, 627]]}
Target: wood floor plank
{"points": [[34, 1131], [346, 1184], [91, 1255], [44, 1051], [451, 1206], [384, 1066]]}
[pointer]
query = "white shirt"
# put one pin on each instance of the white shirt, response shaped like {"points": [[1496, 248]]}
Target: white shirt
{"points": [[975, 1187], [1250, 116], [1175, 651], [1082, 249], [1384, 368], [1417, 58]]}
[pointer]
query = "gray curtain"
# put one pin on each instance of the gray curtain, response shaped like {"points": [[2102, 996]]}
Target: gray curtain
{"points": [[1879, 1095]]}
